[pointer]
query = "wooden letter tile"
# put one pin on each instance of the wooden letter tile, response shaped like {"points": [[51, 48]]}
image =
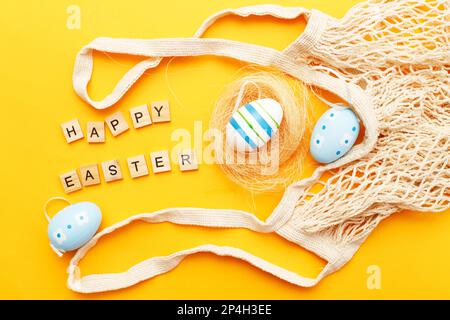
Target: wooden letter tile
{"points": [[70, 181], [140, 116], [111, 170], [160, 161], [160, 111], [187, 160], [72, 130], [137, 166], [96, 132], [90, 175], [117, 123]]}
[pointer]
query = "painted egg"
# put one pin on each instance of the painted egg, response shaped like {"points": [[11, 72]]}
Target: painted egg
{"points": [[334, 134], [254, 124], [74, 225]]}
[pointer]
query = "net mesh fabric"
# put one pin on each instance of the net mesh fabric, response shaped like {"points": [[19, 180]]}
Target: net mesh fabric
{"points": [[399, 53]]}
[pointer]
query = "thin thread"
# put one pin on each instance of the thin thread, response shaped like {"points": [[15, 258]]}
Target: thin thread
{"points": [[51, 200]]}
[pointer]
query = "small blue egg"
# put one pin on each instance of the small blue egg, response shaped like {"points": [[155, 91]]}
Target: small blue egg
{"points": [[334, 134], [74, 225]]}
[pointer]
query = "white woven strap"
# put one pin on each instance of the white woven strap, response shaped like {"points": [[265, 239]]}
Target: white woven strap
{"points": [[241, 51], [84, 62], [199, 217], [335, 255], [280, 12], [259, 55]]}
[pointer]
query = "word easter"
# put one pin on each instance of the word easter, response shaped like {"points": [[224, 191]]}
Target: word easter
{"points": [[140, 117], [137, 167]]}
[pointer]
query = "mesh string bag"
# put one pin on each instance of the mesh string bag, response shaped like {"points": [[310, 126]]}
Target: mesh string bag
{"points": [[393, 62], [399, 53]]}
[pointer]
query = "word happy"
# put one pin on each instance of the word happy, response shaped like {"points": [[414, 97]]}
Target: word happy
{"points": [[95, 130]]}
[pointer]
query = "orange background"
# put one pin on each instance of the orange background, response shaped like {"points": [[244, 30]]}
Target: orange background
{"points": [[36, 65]]}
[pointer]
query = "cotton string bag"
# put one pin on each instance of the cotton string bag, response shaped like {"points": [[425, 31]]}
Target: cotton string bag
{"points": [[393, 61]]}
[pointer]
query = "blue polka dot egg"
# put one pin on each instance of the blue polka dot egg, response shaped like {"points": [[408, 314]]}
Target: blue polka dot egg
{"points": [[74, 225], [334, 134]]}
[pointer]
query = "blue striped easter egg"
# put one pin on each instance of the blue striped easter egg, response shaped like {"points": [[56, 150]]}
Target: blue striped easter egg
{"points": [[254, 124]]}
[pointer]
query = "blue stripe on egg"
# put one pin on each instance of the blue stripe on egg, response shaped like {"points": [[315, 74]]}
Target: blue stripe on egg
{"points": [[240, 117], [242, 132], [259, 119], [265, 112], [260, 134], [270, 119]]}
